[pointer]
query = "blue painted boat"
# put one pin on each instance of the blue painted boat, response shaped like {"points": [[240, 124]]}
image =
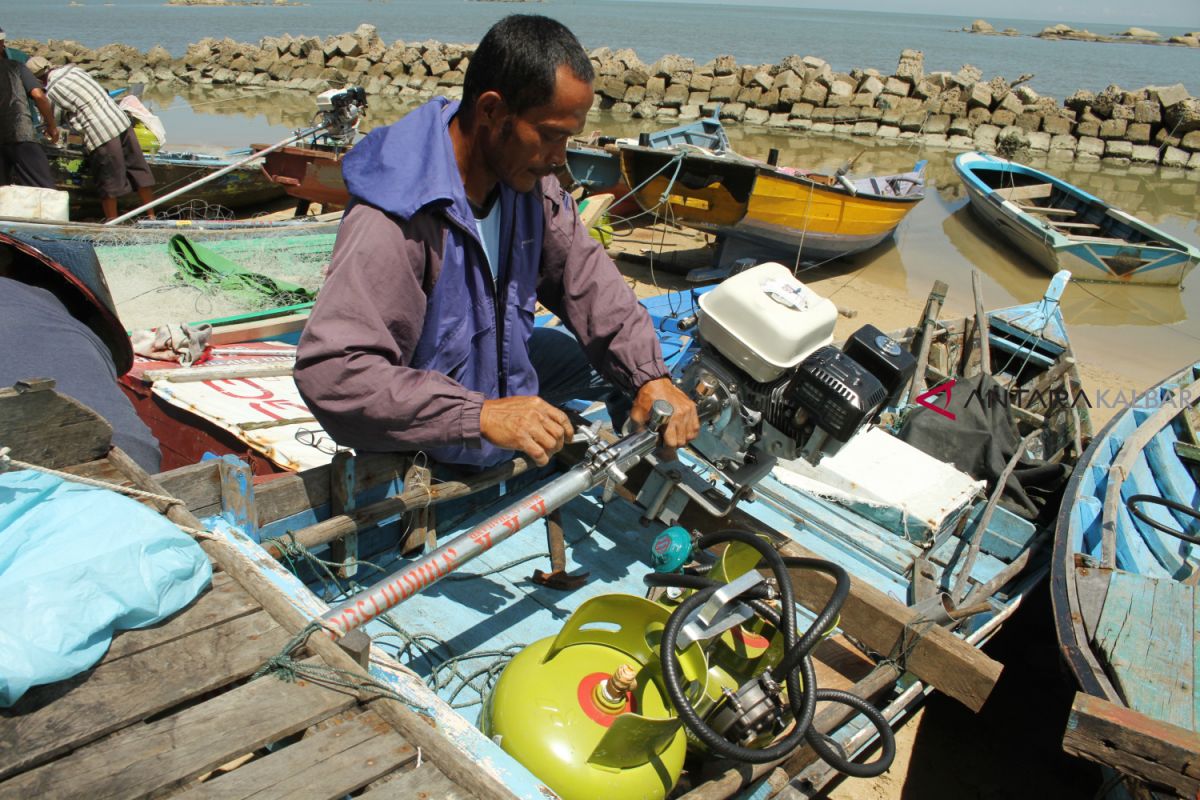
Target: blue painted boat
{"points": [[1126, 606], [1062, 227], [922, 585]]}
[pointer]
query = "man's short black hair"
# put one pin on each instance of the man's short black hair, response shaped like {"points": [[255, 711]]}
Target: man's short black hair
{"points": [[519, 58]]}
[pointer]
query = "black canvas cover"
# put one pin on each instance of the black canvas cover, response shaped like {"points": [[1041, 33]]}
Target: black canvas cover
{"points": [[980, 440]]}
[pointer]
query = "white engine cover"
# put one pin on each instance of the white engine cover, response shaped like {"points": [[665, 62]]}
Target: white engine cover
{"points": [[765, 321]]}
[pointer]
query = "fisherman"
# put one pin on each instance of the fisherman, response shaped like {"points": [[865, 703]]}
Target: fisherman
{"points": [[22, 160], [423, 336], [58, 320], [114, 155]]}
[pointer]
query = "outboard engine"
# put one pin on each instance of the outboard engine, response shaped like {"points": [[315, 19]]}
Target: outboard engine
{"points": [[770, 385]]}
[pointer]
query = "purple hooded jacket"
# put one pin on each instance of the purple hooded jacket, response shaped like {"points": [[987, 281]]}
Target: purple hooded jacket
{"points": [[410, 334]]}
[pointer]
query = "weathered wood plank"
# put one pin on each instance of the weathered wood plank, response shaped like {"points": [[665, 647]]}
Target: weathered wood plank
{"points": [[152, 758], [1145, 635], [263, 329], [42, 427], [933, 654], [1135, 744], [1026, 192], [200, 487], [224, 601], [331, 763], [425, 782], [54, 719]]}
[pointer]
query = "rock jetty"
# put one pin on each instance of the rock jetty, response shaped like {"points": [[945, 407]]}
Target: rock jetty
{"points": [[1064, 31], [1154, 125]]}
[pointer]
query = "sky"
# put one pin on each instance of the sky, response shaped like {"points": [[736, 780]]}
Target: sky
{"points": [[1147, 14]]}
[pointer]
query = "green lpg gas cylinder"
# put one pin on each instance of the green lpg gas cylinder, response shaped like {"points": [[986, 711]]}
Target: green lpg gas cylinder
{"points": [[562, 710]]}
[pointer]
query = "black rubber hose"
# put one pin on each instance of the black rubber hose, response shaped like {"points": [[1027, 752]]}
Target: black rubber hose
{"points": [[812, 636], [1171, 504], [837, 759], [717, 743], [797, 660], [800, 698]]}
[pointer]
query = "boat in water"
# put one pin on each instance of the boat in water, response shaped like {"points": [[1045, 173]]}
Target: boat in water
{"points": [[885, 582], [1062, 227], [241, 188], [1124, 586], [795, 213]]}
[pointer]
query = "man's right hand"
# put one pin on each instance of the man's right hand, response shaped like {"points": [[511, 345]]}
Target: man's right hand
{"points": [[528, 424]]}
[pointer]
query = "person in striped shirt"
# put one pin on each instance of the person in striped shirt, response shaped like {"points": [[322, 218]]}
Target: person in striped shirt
{"points": [[114, 155]]}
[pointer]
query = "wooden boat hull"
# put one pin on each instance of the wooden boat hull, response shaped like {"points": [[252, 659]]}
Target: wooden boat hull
{"points": [[245, 187], [732, 196], [308, 173], [1117, 583], [1124, 249], [145, 231], [821, 221]]}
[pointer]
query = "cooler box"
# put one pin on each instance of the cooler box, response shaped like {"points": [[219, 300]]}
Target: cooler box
{"points": [[33, 202]]}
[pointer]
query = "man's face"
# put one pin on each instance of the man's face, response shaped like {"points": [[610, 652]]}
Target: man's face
{"points": [[521, 149]]}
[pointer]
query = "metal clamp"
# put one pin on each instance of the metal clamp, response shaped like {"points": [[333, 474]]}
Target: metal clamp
{"points": [[721, 612]]}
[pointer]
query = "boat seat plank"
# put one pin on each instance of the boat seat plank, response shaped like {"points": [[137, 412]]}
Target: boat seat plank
{"points": [[426, 782], [1137, 745], [51, 720], [1074, 226], [1048, 210], [1031, 192], [1099, 239], [221, 602], [154, 758], [342, 757], [1146, 635]]}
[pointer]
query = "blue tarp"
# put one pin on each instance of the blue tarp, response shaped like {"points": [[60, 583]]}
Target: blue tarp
{"points": [[76, 564]]}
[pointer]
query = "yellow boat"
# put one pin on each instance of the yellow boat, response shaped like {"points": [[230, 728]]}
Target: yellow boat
{"points": [[821, 216]]}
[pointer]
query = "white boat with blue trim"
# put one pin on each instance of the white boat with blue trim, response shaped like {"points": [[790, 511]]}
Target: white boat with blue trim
{"points": [[1062, 227]]}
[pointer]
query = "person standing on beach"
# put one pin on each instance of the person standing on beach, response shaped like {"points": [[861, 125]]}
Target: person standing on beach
{"points": [[423, 336], [22, 160], [114, 155]]}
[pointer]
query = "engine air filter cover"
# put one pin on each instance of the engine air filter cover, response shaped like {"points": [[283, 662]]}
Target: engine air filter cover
{"points": [[838, 393], [883, 357]]}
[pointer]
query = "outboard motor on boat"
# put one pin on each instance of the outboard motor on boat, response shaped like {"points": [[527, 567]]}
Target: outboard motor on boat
{"points": [[770, 385], [341, 110]]}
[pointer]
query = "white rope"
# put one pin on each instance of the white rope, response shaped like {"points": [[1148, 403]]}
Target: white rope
{"points": [[7, 462]]}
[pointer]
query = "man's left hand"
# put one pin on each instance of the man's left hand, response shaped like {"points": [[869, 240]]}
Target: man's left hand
{"points": [[684, 424]]}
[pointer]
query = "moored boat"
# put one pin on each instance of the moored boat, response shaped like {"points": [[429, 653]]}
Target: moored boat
{"points": [[924, 585], [788, 210], [142, 231], [245, 187], [1062, 227], [1125, 568]]}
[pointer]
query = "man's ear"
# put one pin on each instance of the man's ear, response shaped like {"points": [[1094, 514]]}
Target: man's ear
{"points": [[490, 109]]}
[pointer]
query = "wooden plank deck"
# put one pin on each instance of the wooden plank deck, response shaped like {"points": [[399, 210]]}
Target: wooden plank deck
{"points": [[168, 706], [170, 709], [1147, 636]]}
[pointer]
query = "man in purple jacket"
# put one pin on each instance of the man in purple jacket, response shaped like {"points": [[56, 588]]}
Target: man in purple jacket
{"points": [[423, 335]]}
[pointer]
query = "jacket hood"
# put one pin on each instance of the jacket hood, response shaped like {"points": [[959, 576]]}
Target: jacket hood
{"points": [[409, 165]]}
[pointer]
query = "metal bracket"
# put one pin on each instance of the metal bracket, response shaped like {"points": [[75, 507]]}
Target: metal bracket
{"points": [[721, 612]]}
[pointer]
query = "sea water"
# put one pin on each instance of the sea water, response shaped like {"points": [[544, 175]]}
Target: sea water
{"points": [[754, 34]]}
